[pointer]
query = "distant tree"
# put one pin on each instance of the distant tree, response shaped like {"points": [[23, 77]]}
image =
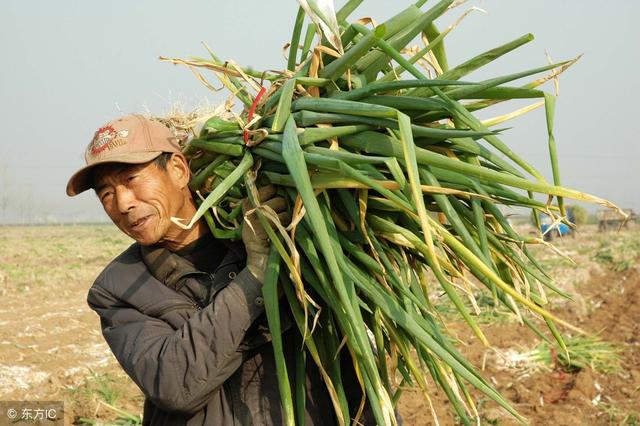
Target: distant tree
{"points": [[577, 214], [5, 193], [592, 219], [580, 214]]}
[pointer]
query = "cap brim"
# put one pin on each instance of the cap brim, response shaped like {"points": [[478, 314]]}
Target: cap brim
{"points": [[83, 179]]}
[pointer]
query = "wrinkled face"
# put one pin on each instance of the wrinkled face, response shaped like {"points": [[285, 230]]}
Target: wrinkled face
{"points": [[141, 199]]}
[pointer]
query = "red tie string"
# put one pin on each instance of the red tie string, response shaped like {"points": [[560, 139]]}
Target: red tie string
{"points": [[251, 111]]}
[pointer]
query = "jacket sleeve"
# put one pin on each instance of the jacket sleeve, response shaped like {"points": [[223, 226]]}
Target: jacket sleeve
{"points": [[178, 370]]}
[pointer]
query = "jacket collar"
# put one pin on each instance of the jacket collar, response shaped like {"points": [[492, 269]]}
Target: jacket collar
{"points": [[170, 268]]}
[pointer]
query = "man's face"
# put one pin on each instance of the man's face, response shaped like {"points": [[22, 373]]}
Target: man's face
{"points": [[141, 199]]}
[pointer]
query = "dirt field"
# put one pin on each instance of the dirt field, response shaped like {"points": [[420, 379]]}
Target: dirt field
{"points": [[51, 347], [605, 285]]}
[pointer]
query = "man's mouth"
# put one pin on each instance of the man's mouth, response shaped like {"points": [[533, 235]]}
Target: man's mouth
{"points": [[139, 223]]}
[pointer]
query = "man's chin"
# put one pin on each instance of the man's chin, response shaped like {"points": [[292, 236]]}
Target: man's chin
{"points": [[145, 240]]}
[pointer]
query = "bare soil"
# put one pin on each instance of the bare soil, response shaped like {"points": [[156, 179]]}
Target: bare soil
{"points": [[606, 303], [51, 347]]}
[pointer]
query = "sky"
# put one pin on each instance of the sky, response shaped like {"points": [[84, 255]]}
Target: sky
{"points": [[69, 66]]}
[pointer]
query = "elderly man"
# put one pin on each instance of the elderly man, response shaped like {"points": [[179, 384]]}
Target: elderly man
{"points": [[181, 311]]}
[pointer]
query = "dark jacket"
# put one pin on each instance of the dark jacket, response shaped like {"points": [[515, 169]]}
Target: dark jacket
{"points": [[196, 343]]}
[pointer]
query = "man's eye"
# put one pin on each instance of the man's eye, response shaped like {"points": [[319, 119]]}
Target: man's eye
{"points": [[131, 178], [105, 195]]}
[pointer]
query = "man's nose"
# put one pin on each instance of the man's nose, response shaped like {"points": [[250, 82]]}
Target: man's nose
{"points": [[125, 199]]}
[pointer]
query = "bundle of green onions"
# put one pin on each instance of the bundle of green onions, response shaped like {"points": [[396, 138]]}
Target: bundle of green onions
{"points": [[394, 187]]}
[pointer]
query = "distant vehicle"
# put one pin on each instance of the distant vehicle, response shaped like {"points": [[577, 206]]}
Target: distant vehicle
{"points": [[610, 219], [561, 229]]}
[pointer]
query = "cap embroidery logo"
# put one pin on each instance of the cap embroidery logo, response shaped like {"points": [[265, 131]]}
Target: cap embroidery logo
{"points": [[107, 138]]}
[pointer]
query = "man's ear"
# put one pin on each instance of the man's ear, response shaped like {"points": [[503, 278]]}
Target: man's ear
{"points": [[178, 169]]}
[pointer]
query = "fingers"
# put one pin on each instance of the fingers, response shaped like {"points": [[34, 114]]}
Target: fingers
{"points": [[278, 204], [285, 218], [270, 199], [266, 192]]}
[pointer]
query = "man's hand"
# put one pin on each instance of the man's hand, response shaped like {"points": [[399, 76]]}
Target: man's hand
{"points": [[254, 237]]}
